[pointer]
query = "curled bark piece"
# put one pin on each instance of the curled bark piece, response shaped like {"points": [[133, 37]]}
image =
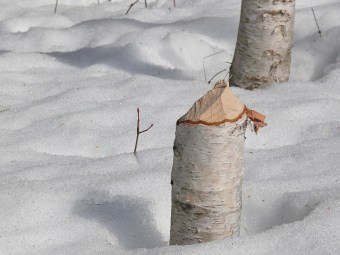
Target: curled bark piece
{"points": [[257, 118]]}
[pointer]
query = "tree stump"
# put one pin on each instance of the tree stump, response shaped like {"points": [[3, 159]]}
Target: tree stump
{"points": [[207, 169]]}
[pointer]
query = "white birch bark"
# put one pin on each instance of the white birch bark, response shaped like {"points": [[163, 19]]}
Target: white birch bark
{"points": [[265, 39], [206, 182]]}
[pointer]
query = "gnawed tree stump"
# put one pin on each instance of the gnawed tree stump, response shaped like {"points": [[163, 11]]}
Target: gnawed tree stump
{"points": [[207, 168]]}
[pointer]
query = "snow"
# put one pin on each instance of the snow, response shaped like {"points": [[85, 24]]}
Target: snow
{"points": [[70, 84]]}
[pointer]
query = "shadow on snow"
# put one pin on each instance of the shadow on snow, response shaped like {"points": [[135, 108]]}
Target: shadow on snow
{"points": [[129, 219], [123, 58]]}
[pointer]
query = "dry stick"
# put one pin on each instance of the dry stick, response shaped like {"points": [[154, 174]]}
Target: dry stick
{"points": [[216, 75], [131, 5], [317, 24], [205, 74], [246, 230], [56, 6], [146, 4], [138, 131], [174, 3]]}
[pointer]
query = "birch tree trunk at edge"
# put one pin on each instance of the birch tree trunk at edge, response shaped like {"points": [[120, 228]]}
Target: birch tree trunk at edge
{"points": [[264, 43]]}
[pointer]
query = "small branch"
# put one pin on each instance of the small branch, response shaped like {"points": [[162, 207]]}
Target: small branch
{"points": [[138, 130], [98, 2], [146, 4], [146, 129], [224, 70], [205, 74], [4, 110], [308, 206], [56, 6], [317, 24], [131, 5], [174, 3], [246, 230]]}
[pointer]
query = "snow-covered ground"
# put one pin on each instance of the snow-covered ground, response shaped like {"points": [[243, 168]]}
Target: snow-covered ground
{"points": [[70, 84]]}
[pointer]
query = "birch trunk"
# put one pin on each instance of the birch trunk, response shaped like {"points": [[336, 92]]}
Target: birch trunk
{"points": [[265, 38], [206, 182]]}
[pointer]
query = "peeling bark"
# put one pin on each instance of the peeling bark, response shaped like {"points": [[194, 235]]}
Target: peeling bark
{"points": [[206, 182], [265, 39]]}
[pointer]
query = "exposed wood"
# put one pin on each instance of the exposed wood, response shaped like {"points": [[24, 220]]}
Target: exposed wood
{"points": [[216, 107]]}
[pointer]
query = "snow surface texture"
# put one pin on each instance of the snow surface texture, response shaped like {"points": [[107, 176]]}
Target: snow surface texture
{"points": [[70, 84]]}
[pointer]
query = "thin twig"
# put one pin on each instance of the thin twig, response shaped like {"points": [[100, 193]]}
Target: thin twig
{"points": [[216, 75], [146, 4], [174, 3], [98, 2], [4, 110], [246, 230], [138, 131], [146, 129], [138, 123], [56, 6], [131, 5], [205, 74], [316, 21]]}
